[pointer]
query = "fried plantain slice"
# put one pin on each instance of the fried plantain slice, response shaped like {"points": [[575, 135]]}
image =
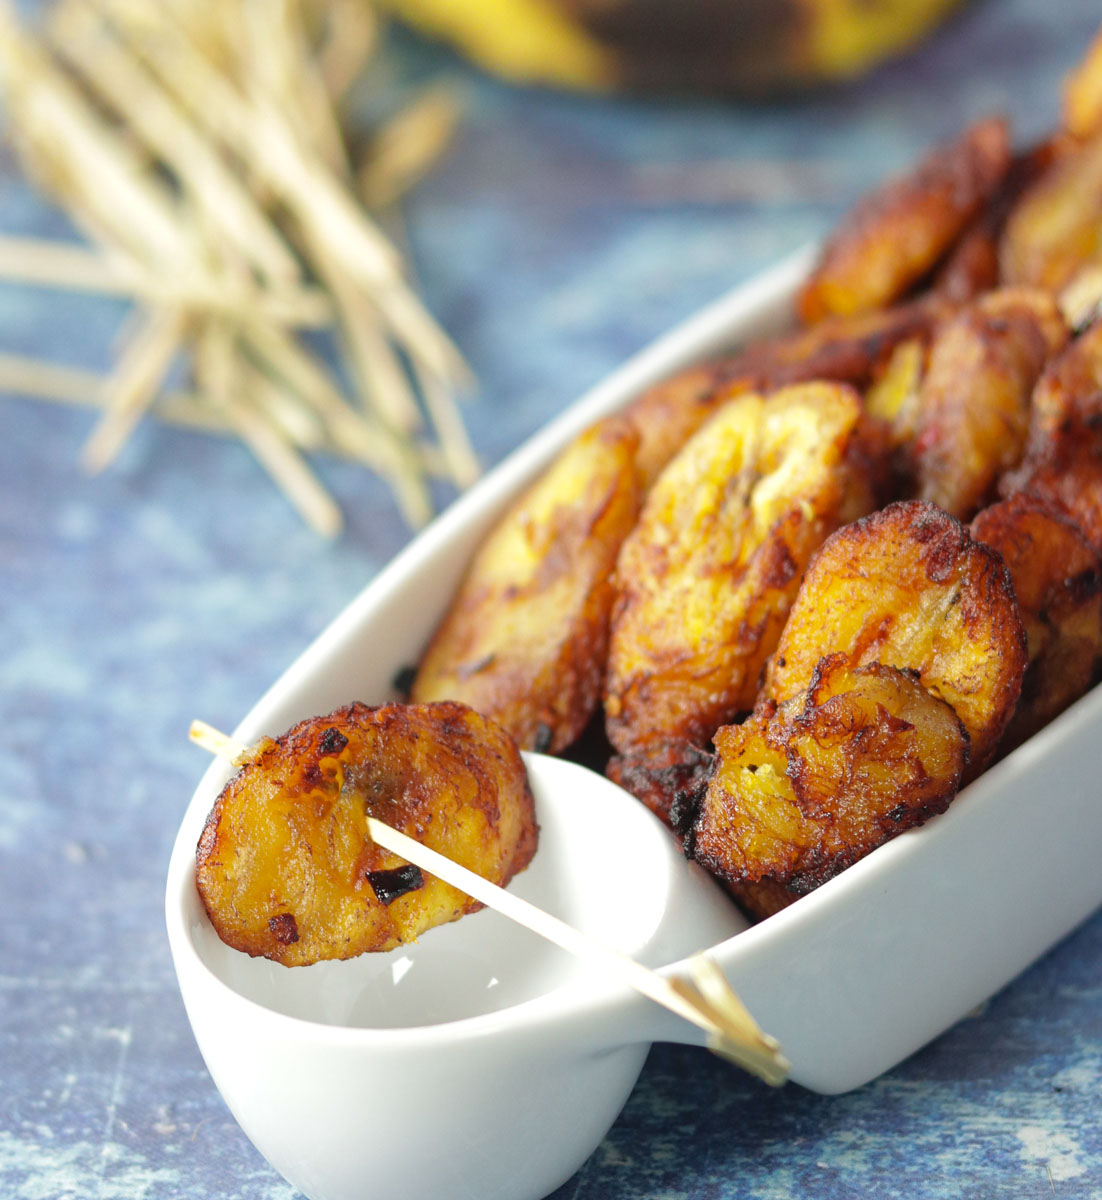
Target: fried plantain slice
{"points": [[285, 867], [907, 587], [973, 407], [1083, 93], [706, 577], [1066, 471], [1069, 392], [667, 415], [801, 793], [526, 637], [1058, 584], [1055, 230], [897, 234]]}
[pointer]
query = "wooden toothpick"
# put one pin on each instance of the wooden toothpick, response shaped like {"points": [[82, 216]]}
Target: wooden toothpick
{"points": [[705, 998]]}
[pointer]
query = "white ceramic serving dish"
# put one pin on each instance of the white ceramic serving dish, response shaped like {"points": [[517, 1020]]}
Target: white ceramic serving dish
{"points": [[508, 1102]]}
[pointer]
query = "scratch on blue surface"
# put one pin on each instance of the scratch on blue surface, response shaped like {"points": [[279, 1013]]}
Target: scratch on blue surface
{"points": [[124, 1037]]}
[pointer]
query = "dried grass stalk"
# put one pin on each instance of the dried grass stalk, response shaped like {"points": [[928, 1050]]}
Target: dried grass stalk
{"points": [[199, 144]]}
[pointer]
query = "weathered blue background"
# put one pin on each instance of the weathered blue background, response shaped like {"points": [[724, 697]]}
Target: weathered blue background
{"points": [[559, 236]]}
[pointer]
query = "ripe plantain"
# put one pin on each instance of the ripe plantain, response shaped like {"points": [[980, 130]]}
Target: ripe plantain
{"points": [[907, 587], [285, 866], [526, 636], [744, 46]]}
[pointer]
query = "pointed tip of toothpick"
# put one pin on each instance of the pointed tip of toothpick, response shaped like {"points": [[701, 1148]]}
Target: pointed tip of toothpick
{"points": [[214, 741]]}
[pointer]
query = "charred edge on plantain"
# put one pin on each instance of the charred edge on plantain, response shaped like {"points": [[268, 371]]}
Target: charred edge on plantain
{"points": [[332, 742], [684, 808], [285, 928], [688, 843], [1082, 587], [389, 886]]}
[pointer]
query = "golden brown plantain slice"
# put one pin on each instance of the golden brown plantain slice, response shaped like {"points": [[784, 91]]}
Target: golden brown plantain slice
{"points": [[667, 415], [1059, 589], [1055, 230], [285, 866], [1065, 470], [706, 577], [1083, 93], [973, 405], [1069, 392], [909, 588], [801, 793], [526, 637], [896, 235]]}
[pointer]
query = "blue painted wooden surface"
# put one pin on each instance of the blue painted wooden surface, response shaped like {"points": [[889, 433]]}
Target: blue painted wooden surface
{"points": [[561, 235]]}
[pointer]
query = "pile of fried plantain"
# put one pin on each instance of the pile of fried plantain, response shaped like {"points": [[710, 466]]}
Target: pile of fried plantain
{"points": [[804, 650], [793, 599]]}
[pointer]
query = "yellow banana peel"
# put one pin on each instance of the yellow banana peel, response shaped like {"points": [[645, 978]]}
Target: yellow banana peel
{"points": [[847, 37], [527, 41]]}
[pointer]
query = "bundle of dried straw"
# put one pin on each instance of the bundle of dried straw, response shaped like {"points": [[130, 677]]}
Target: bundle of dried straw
{"points": [[199, 146]]}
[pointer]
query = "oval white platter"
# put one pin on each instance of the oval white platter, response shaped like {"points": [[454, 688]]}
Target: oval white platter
{"points": [[852, 978]]}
